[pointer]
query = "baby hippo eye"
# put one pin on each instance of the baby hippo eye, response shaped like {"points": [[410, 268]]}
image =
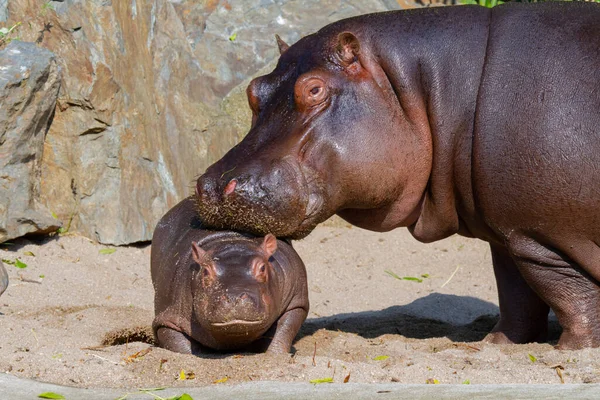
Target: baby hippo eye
{"points": [[316, 90], [259, 270]]}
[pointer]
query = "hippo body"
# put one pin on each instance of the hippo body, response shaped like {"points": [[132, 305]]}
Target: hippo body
{"points": [[481, 122], [223, 290]]}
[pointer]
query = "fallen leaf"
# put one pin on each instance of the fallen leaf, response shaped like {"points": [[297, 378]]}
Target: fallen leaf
{"points": [[222, 380], [380, 358], [559, 369], [347, 378], [393, 275], [156, 389], [50, 395], [233, 37], [432, 381], [107, 251], [412, 278], [467, 382], [182, 375], [29, 253], [531, 357], [184, 396], [322, 380]]}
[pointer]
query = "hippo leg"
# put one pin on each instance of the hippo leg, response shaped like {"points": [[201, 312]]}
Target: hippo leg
{"points": [[523, 314], [288, 326], [173, 340], [568, 289]]}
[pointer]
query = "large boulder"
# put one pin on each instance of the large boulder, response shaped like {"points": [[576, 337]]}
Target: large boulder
{"points": [[29, 84], [140, 113]]}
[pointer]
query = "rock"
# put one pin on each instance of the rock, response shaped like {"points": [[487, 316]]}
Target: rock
{"points": [[3, 278], [140, 112], [29, 85]]}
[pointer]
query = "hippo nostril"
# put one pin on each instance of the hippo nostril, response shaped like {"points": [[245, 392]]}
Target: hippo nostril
{"points": [[230, 188]]}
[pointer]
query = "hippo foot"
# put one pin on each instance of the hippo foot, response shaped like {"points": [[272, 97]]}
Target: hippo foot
{"points": [[573, 339], [502, 335]]}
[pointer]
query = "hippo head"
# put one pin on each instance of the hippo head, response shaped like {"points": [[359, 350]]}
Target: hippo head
{"points": [[233, 290], [328, 136]]}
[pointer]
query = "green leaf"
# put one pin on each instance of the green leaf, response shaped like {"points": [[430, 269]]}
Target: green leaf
{"points": [[381, 358], [107, 251], [233, 37], [467, 382], [184, 396], [42, 276], [7, 261], [425, 276], [406, 278], [152, 389], [50, 395], [532, 358], [54, 215], [20, 264], [29, 253], [393, 275], [323, 380]]}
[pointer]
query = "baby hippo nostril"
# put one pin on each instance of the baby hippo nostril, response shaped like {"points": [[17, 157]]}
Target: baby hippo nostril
{"points": [[230, 188]]}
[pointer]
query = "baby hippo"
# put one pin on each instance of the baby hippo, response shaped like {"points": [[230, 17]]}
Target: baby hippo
{"points": [[223, 289]]}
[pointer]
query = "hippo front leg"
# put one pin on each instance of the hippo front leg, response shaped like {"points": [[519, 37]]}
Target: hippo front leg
{"points": [[173, 340], [523, 314], [288, 326]]}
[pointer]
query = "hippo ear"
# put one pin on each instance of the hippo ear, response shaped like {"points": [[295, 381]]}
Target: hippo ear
{"points": [[283, 46], [269, 245], [347, 48], [198, 254]]}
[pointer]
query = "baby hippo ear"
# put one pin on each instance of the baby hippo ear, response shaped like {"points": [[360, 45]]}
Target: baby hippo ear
{"points": [[347, 48], [269, 245], [198, 254]]}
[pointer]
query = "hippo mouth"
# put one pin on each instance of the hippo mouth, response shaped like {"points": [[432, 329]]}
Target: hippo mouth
{"points": [[236, 322], [250, 329]]}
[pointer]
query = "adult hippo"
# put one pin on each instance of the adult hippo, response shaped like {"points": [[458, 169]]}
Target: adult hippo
{"points": [[481, 122], [222, 289]]}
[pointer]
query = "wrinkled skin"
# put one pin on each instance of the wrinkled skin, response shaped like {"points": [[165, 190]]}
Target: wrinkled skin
{"points": [[3, 278], [481, 122], [223, 290]]}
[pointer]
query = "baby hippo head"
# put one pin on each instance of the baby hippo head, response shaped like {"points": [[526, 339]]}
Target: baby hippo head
{"points": [[234, 289]]}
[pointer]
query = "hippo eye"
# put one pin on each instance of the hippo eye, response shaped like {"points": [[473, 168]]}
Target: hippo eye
{"points": [[310, 91], [205, 273], [262, 269]]}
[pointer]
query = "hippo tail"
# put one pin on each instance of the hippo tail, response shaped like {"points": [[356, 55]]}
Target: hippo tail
{"points": [[3, 278]]}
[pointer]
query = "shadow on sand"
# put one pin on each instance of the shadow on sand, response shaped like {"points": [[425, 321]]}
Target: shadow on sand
{"points": [[459, 318]]}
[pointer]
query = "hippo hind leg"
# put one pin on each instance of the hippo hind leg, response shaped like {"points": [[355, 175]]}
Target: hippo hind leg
{"points": [[565, 285], [523, 314]]}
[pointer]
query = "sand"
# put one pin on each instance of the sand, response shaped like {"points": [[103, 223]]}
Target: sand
{"points": [[76, 316]]}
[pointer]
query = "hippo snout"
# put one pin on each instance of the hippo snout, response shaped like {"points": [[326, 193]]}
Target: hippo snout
{"points": [[264, 197]]}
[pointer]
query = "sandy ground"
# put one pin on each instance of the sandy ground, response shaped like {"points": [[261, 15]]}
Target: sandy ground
{"points": [[78, 317]]}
